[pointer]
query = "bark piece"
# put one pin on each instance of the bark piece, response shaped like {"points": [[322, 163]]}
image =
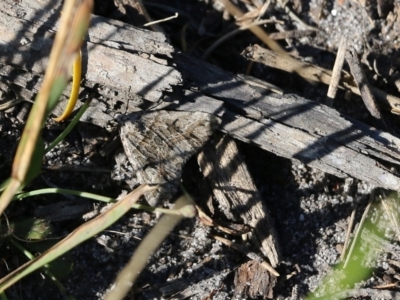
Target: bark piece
{"points": [[261, 282], [158, 144], [237, 195], [363, 86]]}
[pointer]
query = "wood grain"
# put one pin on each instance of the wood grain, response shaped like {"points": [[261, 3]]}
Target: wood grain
{"points": [[236, 193], [287, 125], [158, 144]]}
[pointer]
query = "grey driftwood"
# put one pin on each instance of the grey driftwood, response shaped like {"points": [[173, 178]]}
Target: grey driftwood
{"points": [[136, 68]]}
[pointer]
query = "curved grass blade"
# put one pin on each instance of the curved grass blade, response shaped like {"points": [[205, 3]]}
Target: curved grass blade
{"points": [[184, 211], [76, 81], [71, 125]]}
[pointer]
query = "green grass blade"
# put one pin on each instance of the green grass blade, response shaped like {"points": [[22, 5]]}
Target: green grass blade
{"points": [[71, 125], [73, 25], [184, 211], [45, 269], [78, 236]]}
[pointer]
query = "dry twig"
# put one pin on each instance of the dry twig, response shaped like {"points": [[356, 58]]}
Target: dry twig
{"points": [[337, 70], [313, 73], [363, 85]]}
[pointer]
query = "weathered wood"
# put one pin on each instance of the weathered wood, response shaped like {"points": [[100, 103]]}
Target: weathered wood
{"points": [[236, 194], [363, 85], [141, 66], [159, 143], [314, 73], [27, 41]]}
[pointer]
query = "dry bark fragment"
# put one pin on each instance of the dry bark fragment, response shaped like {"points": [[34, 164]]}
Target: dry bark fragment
{"points": [[253, 281], [158, 144], [363, 85], [236, 193]]}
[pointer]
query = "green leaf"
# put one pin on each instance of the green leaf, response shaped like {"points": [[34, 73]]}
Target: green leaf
{"points": [[36, 162], [57, 88]]}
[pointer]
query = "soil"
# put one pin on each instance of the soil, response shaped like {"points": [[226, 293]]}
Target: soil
{"points": [[310, 209]]}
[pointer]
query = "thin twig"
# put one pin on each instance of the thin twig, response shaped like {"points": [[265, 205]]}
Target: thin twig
{"points": [[291, 34], [337, 70], [162, 20], [248, 253], [348, 233], [231, 34], [313, 73]]}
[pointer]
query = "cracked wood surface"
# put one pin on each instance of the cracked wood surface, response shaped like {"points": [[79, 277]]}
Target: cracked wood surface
{"points": [[236, 194], [159, 143], [134, 67]]}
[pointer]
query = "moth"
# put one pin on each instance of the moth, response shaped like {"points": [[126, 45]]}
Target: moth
{"points": [[159, 143]]}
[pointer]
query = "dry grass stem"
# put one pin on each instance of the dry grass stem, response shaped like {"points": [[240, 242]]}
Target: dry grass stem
{"points": [[337, 69], [348, 233], [359, 228]]}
